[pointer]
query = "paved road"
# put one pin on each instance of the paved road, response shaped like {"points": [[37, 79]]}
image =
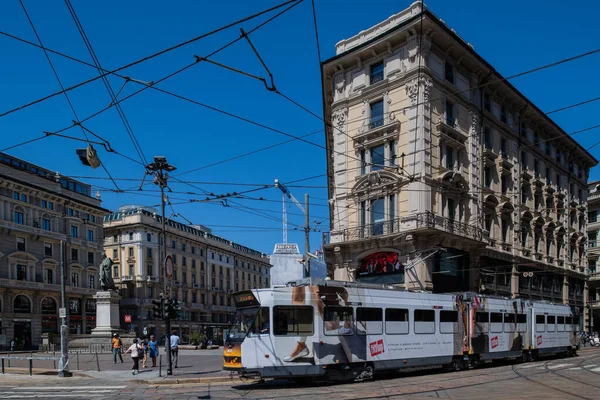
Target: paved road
{"points": [[568, 378]]}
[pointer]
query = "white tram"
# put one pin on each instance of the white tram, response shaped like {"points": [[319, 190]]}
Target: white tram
{"points": [[343, 330]]}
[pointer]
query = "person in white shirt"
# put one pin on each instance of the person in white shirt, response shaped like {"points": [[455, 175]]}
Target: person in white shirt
{"points": [[135, 351], [175, 340]]}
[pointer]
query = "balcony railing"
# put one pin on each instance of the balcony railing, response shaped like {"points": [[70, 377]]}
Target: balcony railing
{"points": [[418, 221], [376, 122], [127, 278]]}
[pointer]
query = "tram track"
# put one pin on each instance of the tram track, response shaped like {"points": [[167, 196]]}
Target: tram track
{"points": [[268, 391]]}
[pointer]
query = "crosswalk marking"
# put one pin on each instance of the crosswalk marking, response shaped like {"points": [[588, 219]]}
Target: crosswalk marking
{"points": [[597, 369], [574, 369], [60, 392], [86, 388]]}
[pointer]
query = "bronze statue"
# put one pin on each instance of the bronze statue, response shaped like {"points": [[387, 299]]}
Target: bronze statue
{"points": [[106, 281]]}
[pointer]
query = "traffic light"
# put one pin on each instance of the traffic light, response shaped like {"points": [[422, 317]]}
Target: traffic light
{"points": [[168, 308], [88, 156], [173, 310], [157, 309]]}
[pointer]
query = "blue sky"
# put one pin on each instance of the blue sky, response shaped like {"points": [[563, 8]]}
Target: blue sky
{"points": [[513, 36]]}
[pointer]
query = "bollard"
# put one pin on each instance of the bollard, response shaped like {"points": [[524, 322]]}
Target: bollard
{"points": [[30, 367], [160, 365], [77, 360], [54, 359], [97, 362], [9, 359], [3, 366]]}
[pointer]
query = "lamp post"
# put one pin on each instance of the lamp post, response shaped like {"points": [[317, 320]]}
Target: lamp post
{"points": [[160, 168]]}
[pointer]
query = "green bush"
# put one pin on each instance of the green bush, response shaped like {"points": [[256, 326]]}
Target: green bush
{"points": [[196, 338]]}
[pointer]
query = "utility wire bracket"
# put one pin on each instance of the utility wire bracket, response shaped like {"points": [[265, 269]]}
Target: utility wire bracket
{"points": [[272, 88]]}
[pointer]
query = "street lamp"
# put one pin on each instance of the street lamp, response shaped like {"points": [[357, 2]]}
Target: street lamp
{"points": [[160, 169]]}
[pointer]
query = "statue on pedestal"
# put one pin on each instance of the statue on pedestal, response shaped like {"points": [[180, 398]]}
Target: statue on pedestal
{"points": [[106, 281]]}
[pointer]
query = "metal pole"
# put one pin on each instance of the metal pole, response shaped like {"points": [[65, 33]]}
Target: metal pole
{"points": [[306, 238], [162, 184], [160, 365], [63, 369]]}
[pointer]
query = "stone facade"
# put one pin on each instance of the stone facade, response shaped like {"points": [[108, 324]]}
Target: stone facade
{"points": [[207, 270], [42, 212], [429, 148], [593, 252]]}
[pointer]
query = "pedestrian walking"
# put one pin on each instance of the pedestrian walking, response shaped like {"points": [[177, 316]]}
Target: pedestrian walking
{"points": [[117, 345], [153, 346], [175, 340], [135, 350], [145, 351]]}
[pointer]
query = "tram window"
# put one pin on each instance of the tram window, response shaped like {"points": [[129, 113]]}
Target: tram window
{"points": [[396, 321], [550, 323], [510, 322], [425, 321], [261, 325], [448, 321], [338, 320], [521, 322], [369, 321], [293, 321], [495, 322], [560, 323], [568, 324], [481, 322], [540, 322]]}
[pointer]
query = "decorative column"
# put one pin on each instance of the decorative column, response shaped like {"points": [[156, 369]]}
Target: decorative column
{"points": [[565, 289], [418, 166]]}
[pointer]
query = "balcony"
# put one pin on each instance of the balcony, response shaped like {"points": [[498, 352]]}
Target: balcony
{"points": [[152, 279], [425, 220], [127, 278], [376, 124], [505, 164], [197, 306], [195, 285], [490, 155], [221, 308], [136, 302], [449, 129]]}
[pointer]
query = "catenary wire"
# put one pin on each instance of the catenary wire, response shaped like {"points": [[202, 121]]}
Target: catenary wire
{"points": [[107, 85], [169, 49], [39, 39]]}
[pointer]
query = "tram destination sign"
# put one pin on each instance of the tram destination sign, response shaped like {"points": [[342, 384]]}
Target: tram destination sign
{"points": [[245, 299], [286, 248]]}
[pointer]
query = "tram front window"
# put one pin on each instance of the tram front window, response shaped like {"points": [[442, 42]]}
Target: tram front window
{"points": [[249, 321]]}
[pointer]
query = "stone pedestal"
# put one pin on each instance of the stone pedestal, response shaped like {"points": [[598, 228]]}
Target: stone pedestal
{"points": [[107, 313]]}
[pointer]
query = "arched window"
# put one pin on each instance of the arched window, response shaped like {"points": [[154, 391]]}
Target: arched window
{"points": [[22, 305], [49, 306], [549, 238]]}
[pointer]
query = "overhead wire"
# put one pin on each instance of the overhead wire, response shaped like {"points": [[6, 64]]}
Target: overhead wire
{"points": [[169, 49], [61, 85], [107, 85]]}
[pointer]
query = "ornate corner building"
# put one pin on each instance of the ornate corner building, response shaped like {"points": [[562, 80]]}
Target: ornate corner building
{"points": [[207, 270], [46, 219], [442, 174]]}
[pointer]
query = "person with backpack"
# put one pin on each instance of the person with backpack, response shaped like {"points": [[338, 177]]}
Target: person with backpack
{"points": [[136, 350]]}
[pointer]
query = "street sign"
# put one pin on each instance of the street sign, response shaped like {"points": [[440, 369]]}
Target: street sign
{"points": [[128, 318], [169, 266], [145, 331], [62, 313]]}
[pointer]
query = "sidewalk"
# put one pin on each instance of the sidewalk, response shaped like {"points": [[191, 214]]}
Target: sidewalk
{"points": [[195, 366]]}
